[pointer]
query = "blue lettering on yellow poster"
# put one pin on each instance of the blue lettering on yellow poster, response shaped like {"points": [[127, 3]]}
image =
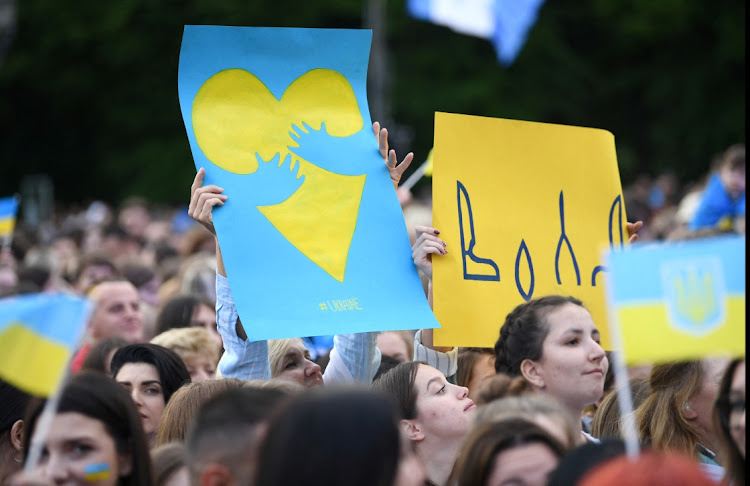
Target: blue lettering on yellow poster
{"points": [[312, 234], [525, 209], [680, 300]]}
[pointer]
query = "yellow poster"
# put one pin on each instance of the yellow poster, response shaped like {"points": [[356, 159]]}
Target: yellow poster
{"points": [[526, 210]]}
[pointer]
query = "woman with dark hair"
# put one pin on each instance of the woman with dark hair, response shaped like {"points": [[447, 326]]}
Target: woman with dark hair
{"points": [[511, 451], [435, 414], [13, 404], [95, 435], [188, 310], [151, 374], [355, 435], [729, 421]]}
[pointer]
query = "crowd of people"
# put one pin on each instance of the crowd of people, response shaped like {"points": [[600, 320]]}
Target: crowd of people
{"points": [[167, 389]]}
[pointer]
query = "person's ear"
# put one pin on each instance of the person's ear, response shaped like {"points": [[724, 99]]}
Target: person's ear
{"points": [[688, 412], [532, 371], [412, 430], [16, 435], [215, 474], [124, 464]]}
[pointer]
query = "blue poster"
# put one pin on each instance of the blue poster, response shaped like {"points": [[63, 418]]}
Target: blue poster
{"points": [[312, 234]]}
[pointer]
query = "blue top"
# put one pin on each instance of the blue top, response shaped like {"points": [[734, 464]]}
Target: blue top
{"points": [[716, 206]]}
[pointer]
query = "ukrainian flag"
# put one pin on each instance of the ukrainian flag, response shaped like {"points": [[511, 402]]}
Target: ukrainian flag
{"points": [[38, 333], [680, 300], [8, 207]]}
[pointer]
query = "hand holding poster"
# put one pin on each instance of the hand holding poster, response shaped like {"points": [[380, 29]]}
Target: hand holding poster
{"points": [[312, 234], [525, 209]]}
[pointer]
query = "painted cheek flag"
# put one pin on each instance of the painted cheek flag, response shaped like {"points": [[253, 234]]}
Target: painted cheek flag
{"points": [[8, 209], [38, 334], [504, 22], [680, 300]]}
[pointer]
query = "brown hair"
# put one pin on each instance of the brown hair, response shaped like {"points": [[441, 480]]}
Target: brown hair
{"points": [[501, 386], [183, 405], [648, 469], [529, 407], [476, 459], [466, 359], [607, 419], [661, 423], [398, 383], [734, 460], [166, 460]]}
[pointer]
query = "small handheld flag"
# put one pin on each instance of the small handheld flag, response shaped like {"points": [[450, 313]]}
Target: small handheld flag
{"points": [[8, 208], [680, 300], [38, 333]]}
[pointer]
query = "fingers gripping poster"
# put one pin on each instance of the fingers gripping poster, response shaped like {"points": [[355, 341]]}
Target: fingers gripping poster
{"points": [[526, 210], [312, 234]]}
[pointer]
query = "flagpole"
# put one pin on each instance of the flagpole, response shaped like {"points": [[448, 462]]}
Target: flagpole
{"points": [[415, 176], [622, 383]]}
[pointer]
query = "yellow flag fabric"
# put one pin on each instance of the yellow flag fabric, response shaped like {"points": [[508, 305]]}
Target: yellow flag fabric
{"points": [[681, 300], [525, 209], [38, 333]]}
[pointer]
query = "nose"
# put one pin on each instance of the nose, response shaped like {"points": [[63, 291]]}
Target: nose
{"points": [[56, 468], [463, 392], [597, 352], [312, 368], [136, 397], [201, 375]]}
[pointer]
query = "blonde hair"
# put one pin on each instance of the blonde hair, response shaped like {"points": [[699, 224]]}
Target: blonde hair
{"points": [[529, 407], [183, 405], [188, 342], [661, 423], [277, 349]]}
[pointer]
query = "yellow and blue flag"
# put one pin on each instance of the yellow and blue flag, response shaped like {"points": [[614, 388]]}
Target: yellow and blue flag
{"points": [[8, 208], [679, 300], [38, 333]]}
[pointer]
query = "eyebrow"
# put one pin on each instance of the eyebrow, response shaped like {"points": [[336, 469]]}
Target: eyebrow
{"points": [[149, 382], [579, 332], [433, 379]]}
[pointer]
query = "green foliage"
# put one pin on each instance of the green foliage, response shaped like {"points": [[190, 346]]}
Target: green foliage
{"points": [[90, 87]]}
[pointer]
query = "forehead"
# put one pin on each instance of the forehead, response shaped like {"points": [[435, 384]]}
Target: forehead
{"points": [[109, 291], [738, 380], [73, 424], [137, 372], [424, 375], [569, 316], [391, 340], [296, 346]]}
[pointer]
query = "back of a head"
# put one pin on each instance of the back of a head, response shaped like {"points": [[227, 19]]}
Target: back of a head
{"points": [[13, 403], [355, 435], [184, 404], [99, 356], [99, 397], [167, 459], [649, 469], [225, 430], [178, 311], [502, 386], [577, 462], [188, 342]]}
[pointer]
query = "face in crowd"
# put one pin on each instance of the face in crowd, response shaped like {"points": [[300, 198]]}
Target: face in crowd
{"points": [[117, 313]]}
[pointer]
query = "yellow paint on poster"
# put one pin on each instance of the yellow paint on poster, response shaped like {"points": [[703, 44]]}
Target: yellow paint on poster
{"points": [[525, 209]]}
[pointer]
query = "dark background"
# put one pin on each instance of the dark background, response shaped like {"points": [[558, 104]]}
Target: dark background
{"points": [[89, 87]]}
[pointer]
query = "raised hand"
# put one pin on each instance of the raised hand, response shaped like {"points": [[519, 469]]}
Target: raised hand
{"points": [[395, 169], [633, 230], [203, 199], [426, 245]]}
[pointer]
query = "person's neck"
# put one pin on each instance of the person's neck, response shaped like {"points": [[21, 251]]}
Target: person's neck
{"points": [[438, 458]]}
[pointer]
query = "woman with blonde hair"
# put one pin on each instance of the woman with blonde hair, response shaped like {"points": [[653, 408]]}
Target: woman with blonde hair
{"points": [[195, 346]]}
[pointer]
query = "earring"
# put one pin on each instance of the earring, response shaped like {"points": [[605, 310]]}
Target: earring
{"points": [[541, 385], [687, 406], [14, 455]]}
